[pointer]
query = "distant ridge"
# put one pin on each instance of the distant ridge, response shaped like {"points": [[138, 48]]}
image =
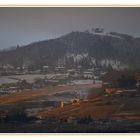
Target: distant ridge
{"points": [[78, 48]]}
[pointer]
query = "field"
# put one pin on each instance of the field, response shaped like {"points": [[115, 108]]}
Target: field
{"points": [[30, 94], [109, 113]]}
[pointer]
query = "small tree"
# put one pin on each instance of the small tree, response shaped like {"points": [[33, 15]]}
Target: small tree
{"points": [[126, 82], [17, 115], [39, 82], [23, 84]]}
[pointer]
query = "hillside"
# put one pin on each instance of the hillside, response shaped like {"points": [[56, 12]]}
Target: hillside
{"points": [[78, 49]]}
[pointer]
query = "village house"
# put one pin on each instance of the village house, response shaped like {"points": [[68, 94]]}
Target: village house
{"points": [[45, 69], [60, 69], [6, 69], [73, 73], [88, 75]]}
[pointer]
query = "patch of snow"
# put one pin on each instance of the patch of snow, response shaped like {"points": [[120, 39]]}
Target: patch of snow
{"points": [[28, 77], [77, 57], [115, 64], [106, 34]]}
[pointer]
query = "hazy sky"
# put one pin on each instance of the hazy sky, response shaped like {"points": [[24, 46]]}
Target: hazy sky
{"points": [[24, 25]]}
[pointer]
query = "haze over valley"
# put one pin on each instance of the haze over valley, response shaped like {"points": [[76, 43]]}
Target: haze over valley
{"points": [[83, 76]]}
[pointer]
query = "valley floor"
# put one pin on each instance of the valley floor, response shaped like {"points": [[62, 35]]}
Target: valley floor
{"points": [[98, 112]]}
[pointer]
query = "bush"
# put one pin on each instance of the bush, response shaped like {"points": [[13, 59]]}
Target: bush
{"points": [[18, 116], [126, 82], [85, 120]]}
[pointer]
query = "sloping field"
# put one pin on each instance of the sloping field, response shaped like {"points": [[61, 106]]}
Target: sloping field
{"points": [[30, 94], [99, 107], [129, 111], [85, 109]]}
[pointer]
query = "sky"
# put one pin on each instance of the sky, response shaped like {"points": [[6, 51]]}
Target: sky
{"points": [[24, 25]]}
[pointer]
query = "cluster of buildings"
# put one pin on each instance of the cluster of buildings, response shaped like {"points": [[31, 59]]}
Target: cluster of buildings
{"points": [[60, 75], [7, 69], [75, 70]]}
